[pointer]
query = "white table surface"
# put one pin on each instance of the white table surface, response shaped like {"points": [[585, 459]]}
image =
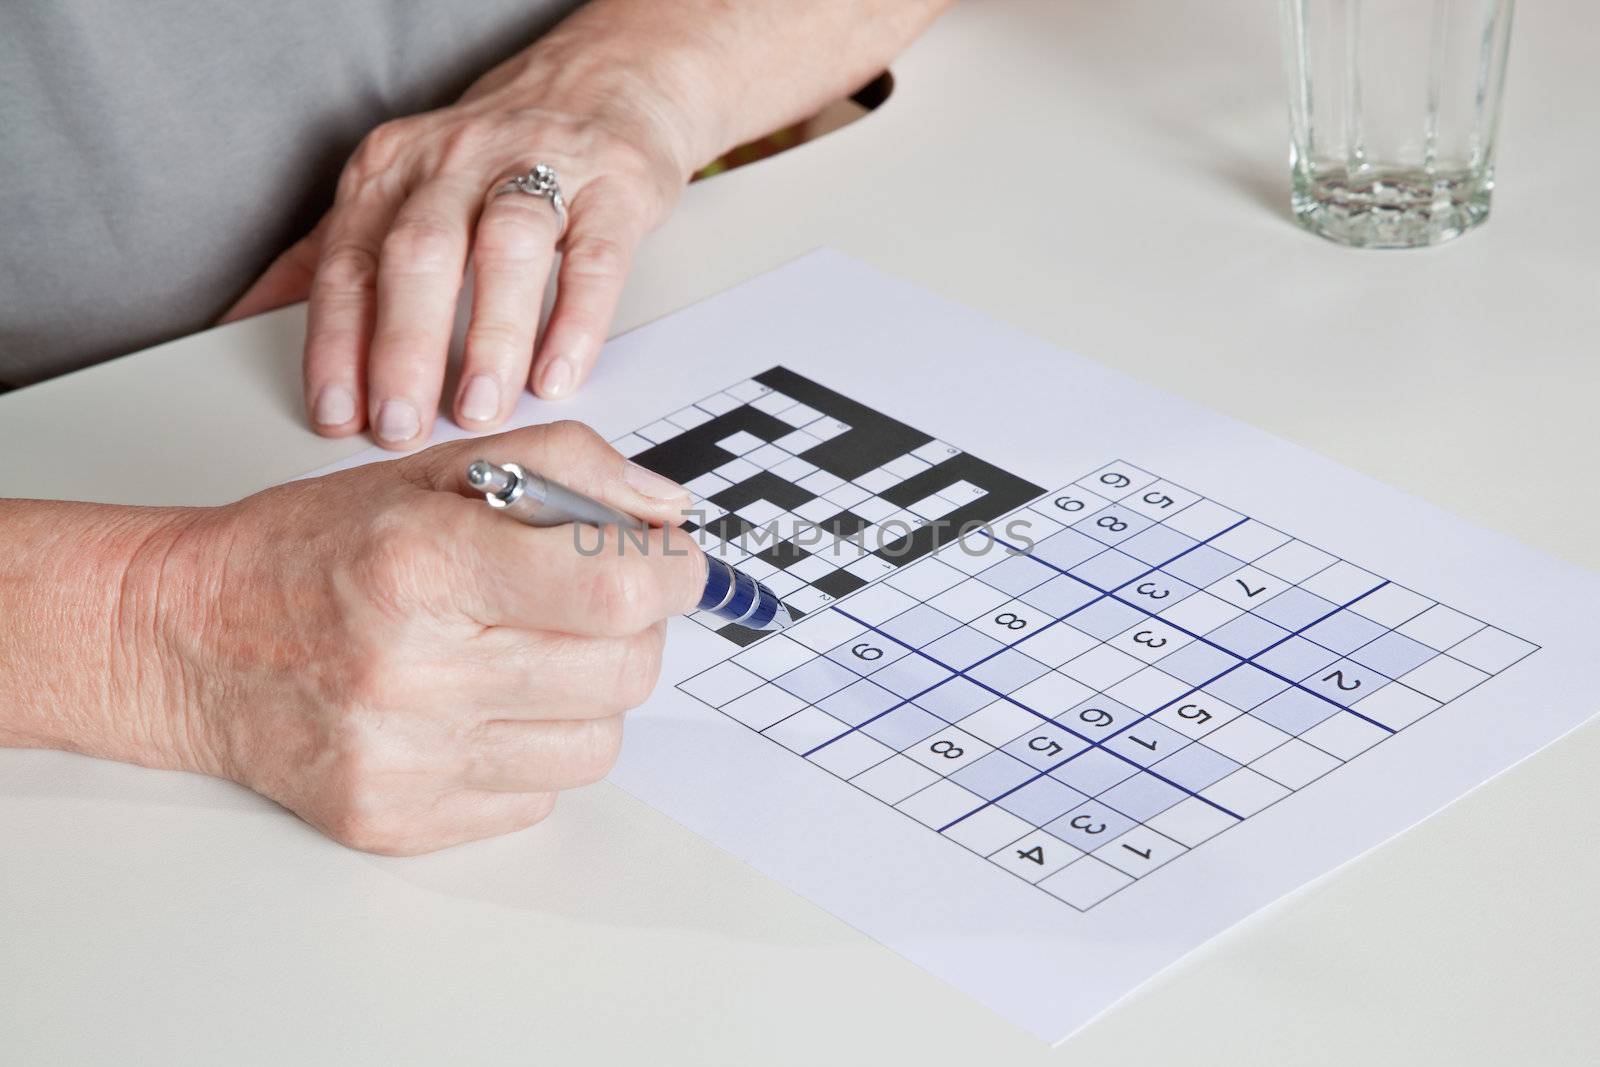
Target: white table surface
{"points": [[1109, 175]]}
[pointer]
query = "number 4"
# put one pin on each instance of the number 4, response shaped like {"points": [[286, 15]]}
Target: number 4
{"points": [[1035, 855]]}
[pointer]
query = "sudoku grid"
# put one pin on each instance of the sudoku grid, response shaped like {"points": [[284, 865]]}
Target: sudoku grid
{"points": [[779, 465], [1104, 679]]}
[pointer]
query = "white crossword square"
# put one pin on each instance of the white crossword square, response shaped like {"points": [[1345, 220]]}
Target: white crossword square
{"points": [[772, 403], [1396, 706], [851, 754], [1343, 736], [719, 403], [999, 723], [1191, 822], [805, 730], [824, 631], [1102, 667], [880, 603], [774, 656], [740, 443], [1491, 650], [1055, 645], [1443, 678], [1245, 738], [1391, 605], [973, 598], [894, 779], [1440, 627], [1148, 690], [1036, 856], [760, 708], [988, 829], [1249, 541], [1203, 519], [721, 684], [690, 417], [1295, 561], [750, 389], [1340, 583], [926, 578], [1139, 851], [1244, 792], [1053, 693], [1200, 613], [1247, 587], [1295, 764], [799, 415], [941, 803], [1085, 882]]}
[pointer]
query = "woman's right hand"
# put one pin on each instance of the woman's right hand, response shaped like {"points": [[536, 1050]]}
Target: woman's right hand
{"points": [[399, 665]]}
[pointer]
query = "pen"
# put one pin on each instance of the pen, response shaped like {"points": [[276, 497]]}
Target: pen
{"points": [[729, 594]]}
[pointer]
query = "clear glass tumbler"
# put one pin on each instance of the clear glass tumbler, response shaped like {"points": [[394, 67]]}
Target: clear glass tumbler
{"points": [[1393, 109]]}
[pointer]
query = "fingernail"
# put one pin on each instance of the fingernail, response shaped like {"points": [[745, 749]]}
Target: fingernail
{"points": [[398, 421], [557, 379], [481, 401], [334, 407], [651, 484]]}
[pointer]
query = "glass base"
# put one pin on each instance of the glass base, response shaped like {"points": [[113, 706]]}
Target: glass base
{"points": [[1390, 208]]}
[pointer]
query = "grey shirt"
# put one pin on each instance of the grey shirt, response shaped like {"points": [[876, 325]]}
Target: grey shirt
{"points": [[155, 156]]}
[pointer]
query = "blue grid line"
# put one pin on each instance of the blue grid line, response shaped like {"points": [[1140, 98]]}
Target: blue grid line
{"points": [[1024, 637], [1188, 633], [1134, 722], [1037, 714]]}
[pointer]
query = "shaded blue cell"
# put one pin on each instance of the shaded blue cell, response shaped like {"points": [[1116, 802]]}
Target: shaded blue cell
{"points": [[1067, 549], [1246, 635], [1093, 772], [1098, 716], [1041, 800], [1106, 618], [1155, 592], [1157, 545], [1346, 682], [816, 679], [855, 704], [992, 775], [1089, 825], [955, 699], [910, 676], [919, 625], [1045, 746], [904, 727], [1344, 632], [1294, 711], [1197, 663], [1393, 655], [1146, 742], [1203, 566], [1295, 609], [963, 648], [867, 653], [1007, 672], [1059, 596], [1141, 797], [1113, 524], [1296, 658], [1196, 767], [1110, 569], [1016, 575], [1245, 687]]}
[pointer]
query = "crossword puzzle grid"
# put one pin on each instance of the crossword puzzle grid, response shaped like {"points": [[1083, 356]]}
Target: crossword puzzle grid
{"points": [[1120, 671], [779, 465]]}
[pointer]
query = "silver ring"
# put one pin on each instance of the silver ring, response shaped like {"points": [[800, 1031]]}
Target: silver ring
{"points": [[540, 182]]}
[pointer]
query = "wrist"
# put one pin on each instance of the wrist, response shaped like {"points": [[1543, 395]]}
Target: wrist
{"points": [[91, 598]]}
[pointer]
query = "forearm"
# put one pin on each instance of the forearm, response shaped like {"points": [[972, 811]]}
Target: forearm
{"points": [[725, 71], [81, 615]]}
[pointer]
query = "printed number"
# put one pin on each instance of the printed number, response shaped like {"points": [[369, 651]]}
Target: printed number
{"points": [[1152, 590], [1194, 713], [1096, 717], [1111, 522], [1160, 500], [1070, 503], [1349, 685], [1011, 621], [1151, 745], [947, 749], [867, 652], [1247, 590], [1088, 825], [1115, 480], [1142, 853], [1148, 637], [1034, 854], [1045, 745]]}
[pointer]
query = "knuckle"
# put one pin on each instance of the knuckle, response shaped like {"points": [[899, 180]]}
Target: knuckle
{"points": [[617, 596], [639, 668], [381, 146], [571, 441], [422, 244], [348, 267], [496, 341], [599, 258], [596, 749]]}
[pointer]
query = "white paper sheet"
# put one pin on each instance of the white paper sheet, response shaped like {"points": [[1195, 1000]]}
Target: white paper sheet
{"points": [[1510, 626]]}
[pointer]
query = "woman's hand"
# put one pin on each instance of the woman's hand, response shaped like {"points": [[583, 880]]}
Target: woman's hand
{"points": [[625, 99], [391, 660], [416, 202]]}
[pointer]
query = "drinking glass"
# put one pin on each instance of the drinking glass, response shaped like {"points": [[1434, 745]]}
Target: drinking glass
{"points": [[1393, 110]]}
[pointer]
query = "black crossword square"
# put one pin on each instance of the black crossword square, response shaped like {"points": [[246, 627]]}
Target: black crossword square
{"points": [[844, 525], [839, 583], [784, 554], [729, 527]]}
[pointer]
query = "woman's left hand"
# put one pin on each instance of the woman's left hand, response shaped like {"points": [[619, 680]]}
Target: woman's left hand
{"points": [[384, 268]]}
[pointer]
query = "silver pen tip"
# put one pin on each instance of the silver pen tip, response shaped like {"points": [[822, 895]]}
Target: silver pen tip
{"points": [[485, 477]]}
